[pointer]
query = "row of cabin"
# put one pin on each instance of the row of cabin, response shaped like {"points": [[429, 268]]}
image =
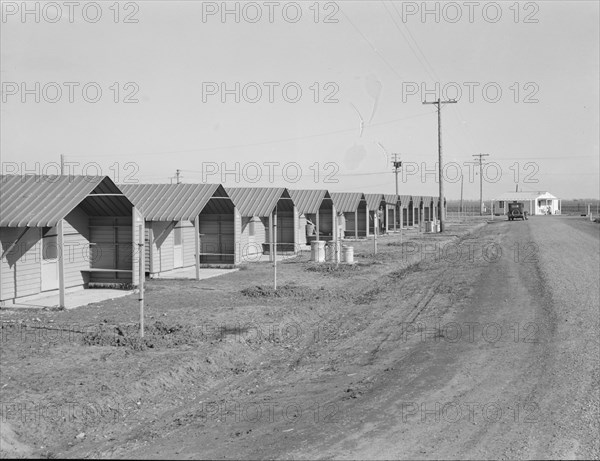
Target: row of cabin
{"points": [[62, 232]]}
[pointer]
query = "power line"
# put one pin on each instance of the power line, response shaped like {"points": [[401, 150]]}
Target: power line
{"points": [[256, 144], [374, 48], [431, 74]]}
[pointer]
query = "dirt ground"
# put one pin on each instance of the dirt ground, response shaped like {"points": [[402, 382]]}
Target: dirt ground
{"points": [[478, 343]]}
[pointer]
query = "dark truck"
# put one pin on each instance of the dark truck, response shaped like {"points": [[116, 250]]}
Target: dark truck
{"points": [[515, 211]]}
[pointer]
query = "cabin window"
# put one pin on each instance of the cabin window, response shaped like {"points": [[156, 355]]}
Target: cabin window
{"points": [[49, 244], [177, 236]]}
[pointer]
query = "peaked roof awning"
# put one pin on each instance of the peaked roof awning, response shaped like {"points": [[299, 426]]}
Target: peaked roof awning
{"points": [[172, 202], [308, 201], [405, 200], [347, 202], [258, 201], [42, 201], [391, 199], [374, 201]]}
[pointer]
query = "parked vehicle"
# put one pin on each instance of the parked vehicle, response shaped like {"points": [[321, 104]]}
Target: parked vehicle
{"points": [[515, 211]]}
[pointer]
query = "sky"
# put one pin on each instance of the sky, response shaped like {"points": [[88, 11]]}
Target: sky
{"points": [[306, 94]]}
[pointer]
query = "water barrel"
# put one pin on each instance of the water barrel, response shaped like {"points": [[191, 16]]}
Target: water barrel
{"points": [[348, 254], [317, 251], [310, 229]]}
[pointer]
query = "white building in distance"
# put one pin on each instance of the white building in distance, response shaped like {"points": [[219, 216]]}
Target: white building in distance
{"points": [[535, 203]]}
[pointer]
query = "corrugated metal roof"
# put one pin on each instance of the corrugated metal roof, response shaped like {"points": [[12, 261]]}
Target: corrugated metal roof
{"points": [[257, 201], [170, 202], [309, 201], [391, 199], [374, 201], [42, 201], [347, 202], [405, 200], [525, 195]]}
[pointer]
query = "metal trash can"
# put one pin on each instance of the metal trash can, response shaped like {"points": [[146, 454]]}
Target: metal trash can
{"points": [[317, 251], [348, 254], [331, 250]]}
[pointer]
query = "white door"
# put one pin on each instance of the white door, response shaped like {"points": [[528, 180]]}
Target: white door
{"points": [[177, 248], [49, 260]]}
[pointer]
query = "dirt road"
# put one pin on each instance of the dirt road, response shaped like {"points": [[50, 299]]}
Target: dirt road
{"points": [[494, 357], [483, 345]]}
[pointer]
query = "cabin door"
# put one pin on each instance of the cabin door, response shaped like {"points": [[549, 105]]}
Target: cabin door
{"points": [[49, 259], [177, 248]]}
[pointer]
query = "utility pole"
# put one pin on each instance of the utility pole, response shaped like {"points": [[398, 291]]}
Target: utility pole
{"points": [[481, 181], [397, 164], [177, 174], [439, 103], [62, 164]]}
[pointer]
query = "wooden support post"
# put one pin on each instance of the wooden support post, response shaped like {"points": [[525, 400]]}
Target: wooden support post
{"points": [[375, 225], [271, 237], [150, 248], [367, 222], [61, 264], [142, 275], [197, 245], [395, 217], [356, 223], [334, 227], [401, 223], [317, 223], [275, 251]]}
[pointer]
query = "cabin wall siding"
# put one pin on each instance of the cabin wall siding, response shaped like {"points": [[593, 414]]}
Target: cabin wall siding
{"points": [[76, 233], [20, 269], [189, 244]]}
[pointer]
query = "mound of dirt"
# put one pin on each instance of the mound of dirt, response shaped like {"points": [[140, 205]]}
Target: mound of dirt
{"points": [[333, 269], [297, 292], [284, 291], [158, 335]]}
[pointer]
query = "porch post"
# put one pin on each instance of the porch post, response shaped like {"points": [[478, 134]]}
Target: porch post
{"points": [[356, 223], [334, 229], [150, 248], [271, 236], [61, 264], [401, 221], [317, 222], [197, 244], [134, 247]]}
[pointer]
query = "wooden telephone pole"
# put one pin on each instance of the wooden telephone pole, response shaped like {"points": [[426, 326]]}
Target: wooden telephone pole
{"points": [[439, 103], [481, 181]]}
